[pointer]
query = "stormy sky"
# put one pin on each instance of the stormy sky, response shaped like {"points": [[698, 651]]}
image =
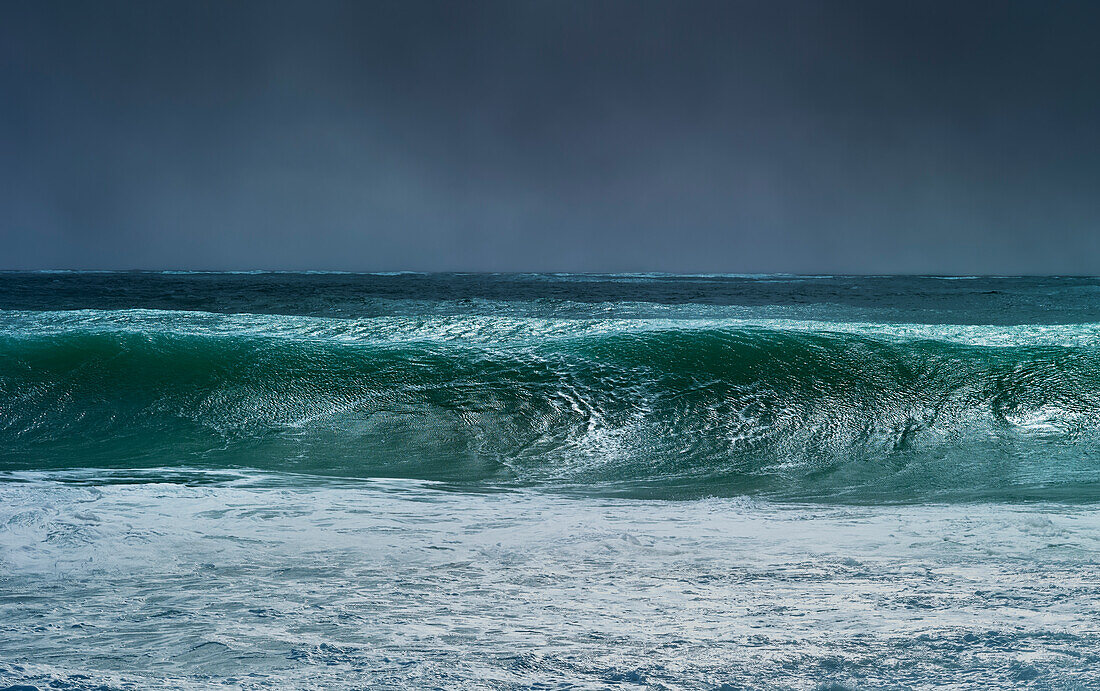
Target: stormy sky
{"points": [[858, 137]]}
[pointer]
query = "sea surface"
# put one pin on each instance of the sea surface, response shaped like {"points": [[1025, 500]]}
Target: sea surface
{"points": [[288, 480]]}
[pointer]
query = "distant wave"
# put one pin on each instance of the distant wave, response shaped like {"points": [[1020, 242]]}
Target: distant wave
{"points": [[665, 408]]}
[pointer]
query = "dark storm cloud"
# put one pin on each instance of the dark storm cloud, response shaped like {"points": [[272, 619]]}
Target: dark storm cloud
{"points": [[680, 136]]}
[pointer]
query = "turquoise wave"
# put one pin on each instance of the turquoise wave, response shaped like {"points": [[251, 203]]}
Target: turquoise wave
{"points": [[668, 409]]}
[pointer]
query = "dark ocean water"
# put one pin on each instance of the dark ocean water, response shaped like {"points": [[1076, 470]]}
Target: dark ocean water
{"points": [[441, 480]]}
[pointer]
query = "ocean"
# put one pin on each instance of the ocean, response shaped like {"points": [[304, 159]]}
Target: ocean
{"points": [[329, 480]]}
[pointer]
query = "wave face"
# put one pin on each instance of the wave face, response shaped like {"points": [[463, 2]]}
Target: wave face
{"points": [[647, 406]]}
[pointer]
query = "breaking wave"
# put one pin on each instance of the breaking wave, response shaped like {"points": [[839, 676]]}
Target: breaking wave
{"points": [[662, 408]]}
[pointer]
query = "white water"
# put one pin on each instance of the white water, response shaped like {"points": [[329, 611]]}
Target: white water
{"points": [[260, 582], [520, 329]]}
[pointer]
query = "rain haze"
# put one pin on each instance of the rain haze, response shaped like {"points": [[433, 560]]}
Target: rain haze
{"points": [[847, 137]]}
